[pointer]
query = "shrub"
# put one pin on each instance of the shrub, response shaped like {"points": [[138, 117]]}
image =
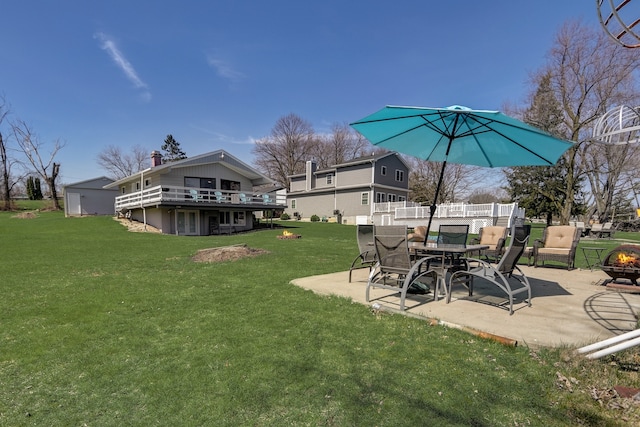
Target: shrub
{"points": [[284, 216], [315, 218]]}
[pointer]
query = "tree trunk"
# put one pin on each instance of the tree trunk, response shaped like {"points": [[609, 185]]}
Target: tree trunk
{"points": [[6, 193], [52, 186]]}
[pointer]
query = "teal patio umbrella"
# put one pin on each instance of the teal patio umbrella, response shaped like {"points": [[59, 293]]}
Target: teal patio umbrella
{"points": [[459, 134]]}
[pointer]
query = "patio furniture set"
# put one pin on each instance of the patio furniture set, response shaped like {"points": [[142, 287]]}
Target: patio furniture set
{"points": [[401, 262]]}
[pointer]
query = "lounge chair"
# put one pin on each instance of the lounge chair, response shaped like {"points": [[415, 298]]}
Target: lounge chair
{"points": [[500, 273], [494, 236], [558, 243], [367, 256], [395, 269]]}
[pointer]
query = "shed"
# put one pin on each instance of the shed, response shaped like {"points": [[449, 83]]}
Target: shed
{"points": [[89, 197]]}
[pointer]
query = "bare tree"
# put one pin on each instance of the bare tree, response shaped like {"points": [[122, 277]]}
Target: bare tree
{"points": [[4, 159], [120, 164], [457, 181], [33, 151], [343, 144], [286, 150], [589, 73]]}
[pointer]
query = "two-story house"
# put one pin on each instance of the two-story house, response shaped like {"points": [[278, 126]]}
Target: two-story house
{"points": [[211, 193], [347, 191]]}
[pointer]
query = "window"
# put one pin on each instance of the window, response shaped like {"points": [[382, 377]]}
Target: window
{"points": [[147, 183], [293, 203], [329, 178], [364, 198], [225, 184], [225, 218], [380, 198], [238, 218], [391, 197], [232, 218], [135, 186], [399, 175], [195, 182], [383, 170], [402, 198], [123, 189]]}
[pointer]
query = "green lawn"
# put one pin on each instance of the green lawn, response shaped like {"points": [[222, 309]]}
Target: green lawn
{"points": [[100, 326]]}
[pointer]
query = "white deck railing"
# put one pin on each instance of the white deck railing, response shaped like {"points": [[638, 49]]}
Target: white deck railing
{"points": [[409, 210], [170, 194]]}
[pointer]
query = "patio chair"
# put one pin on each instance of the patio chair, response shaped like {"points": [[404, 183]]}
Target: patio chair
{"points": [[418, 234], [602, 230], [266, 199], [243, 198], [395, 269], [220, 197], [367, 256], [453, 234], [558, 243], [494, 236], [499, 274]]}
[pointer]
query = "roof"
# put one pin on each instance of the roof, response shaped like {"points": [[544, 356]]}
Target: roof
{"points": [[219, 156], [357, 161], [103, 180]]}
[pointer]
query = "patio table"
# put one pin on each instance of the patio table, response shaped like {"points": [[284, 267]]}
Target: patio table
{"points": [[444, 251]]}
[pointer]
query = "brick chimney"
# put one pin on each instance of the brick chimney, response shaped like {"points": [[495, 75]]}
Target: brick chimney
{"points": [[156, 159]]}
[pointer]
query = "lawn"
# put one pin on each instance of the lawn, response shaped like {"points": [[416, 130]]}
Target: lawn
{"points": [[101, 326]]}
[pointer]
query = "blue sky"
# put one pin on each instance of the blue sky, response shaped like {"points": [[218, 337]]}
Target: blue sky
{"points": [[219, 74]]}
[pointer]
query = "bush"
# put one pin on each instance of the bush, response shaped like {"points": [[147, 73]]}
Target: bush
{"points": [[284, 216], [315, 218]]}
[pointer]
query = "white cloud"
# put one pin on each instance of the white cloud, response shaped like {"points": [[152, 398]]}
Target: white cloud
{"points": [[109, 45], [224, 69]]}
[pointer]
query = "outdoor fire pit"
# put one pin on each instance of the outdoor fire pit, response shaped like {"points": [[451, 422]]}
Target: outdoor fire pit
{"points": [[623, 262], [287, 235]]}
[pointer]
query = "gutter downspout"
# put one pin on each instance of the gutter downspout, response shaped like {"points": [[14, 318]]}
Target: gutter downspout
{"points": [[372, 189], [144, 210]]}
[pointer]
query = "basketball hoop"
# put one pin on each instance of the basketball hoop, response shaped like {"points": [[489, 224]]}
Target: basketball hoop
{"points": [[614, 20], [618, 126]]}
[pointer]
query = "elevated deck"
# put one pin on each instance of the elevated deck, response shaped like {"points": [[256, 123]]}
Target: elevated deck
{"points": [[198, 198], [476, 215]]}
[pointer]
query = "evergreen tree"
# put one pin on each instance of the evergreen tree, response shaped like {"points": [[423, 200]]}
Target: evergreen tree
{"points": [[30, 187], [542, 190], [37, 189], [172, 150]]}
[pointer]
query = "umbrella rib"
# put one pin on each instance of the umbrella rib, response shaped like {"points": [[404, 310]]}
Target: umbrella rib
{"points": [[490, 129]]}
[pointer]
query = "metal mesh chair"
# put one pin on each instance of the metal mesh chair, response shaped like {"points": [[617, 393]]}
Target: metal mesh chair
{"points": [[367, 256], [396, 270], [499, 274]]}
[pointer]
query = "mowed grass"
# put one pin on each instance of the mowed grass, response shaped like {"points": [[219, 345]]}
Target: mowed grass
{"points": [[101, 326]]}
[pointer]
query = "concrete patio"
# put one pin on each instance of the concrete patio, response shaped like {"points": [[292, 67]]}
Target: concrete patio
{"points": [[569, 308]]}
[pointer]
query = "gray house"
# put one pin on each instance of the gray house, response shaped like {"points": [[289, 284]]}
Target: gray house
{"points": [[346, 192], [208, 194], [89, 197]]}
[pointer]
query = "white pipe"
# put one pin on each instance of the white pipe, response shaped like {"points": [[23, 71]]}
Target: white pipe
{"points": [[606, 343], [144, 211], [622, 346]]}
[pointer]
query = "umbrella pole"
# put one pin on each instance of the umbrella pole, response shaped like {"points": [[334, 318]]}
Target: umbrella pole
{"points": [[444, 165], [432, 208]]}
